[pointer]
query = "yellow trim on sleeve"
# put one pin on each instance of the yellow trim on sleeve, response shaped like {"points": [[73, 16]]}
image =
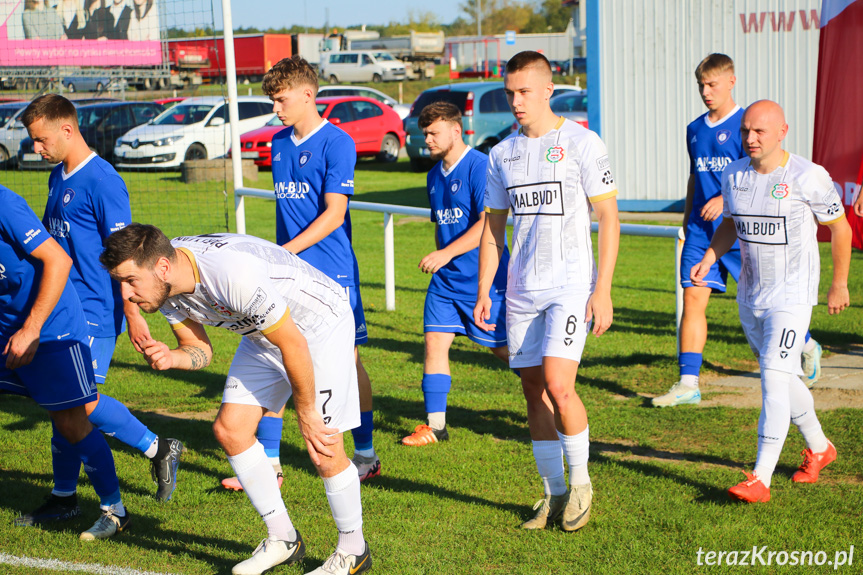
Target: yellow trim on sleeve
{"points": [[560, 121], [191, 257], [278, 324], [785, 159], [840, 218], [185, 323], [600, 197], [489, 210]]}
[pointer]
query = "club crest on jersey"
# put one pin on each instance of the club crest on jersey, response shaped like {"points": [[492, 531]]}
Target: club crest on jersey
{"points": [[68, 196], [455, 186], [780, 191], [555, 154], [722, 136], [304, 158]]}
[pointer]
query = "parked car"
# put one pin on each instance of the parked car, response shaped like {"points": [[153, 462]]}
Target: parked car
{"points": [[577, 64], [401, 109], [9, 144], [194, 129], [100, 125], [93, 83], [169, 102], [361, 66], [486, 117], [375, 128]]}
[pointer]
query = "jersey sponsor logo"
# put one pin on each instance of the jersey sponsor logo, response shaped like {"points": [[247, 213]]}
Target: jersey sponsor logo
{"points": [[305, 156], [118, 226], [723, 136], [555, 154], [512, 159], [448, 216], [292, 190], [68, 196], [278, 157], [780, 191], [219, 309], [348, 184], [258, 298], [739, 189], [834, 208], [58, 228], [767, 230], [543, 198], [455, 186], [711, 164], [607, 178], [603, 163], [215, 240], [32, 233]]}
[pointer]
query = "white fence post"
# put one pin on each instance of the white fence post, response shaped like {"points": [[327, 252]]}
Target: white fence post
{"points": [[240, 212], [389, 262]]}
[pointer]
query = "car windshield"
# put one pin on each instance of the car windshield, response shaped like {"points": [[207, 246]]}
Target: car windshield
{"points": [[6, 113], [92, 116], [183, 115], [383, 56], [574, 102], [321, 107], [274, 122], [426, 98]]}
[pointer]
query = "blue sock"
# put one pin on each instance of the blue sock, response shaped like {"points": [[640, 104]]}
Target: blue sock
{"points": [[363, 433], [435, 389], [270, 435], [66, 463], [690, 363], [98, 461], [113, 418]]}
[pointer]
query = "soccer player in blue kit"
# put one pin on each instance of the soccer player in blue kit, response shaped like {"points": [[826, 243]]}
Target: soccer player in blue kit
{"points": [[313, 175], [456, 191], [44, 354], [713, 142], [88, 201]]}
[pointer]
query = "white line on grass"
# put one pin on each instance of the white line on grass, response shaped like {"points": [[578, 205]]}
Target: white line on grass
{"points": [[57, 565]]}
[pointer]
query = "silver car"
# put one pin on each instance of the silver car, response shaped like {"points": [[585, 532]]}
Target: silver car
{"points": [[12, 131]]}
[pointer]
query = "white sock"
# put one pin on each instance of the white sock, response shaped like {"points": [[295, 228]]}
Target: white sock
{"points": [[343, 494], [151, 451], [62, 493], [549, 464], [774, 421], [809, 345], [689, 380], [437, 420], [370, 452], [258, 478], [803, 415], [276, 463], [118, 508], [576, 448]]}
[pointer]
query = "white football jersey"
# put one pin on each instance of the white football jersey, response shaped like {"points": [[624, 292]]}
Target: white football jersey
{"points": [[250, 286], [549, 182], [773, 215]]}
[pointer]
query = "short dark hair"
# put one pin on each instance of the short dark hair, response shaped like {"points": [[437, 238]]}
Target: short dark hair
{"points": [[142, 243], [289, 73], [714, 64], [51, 108], [527, 59], [445, 111]]}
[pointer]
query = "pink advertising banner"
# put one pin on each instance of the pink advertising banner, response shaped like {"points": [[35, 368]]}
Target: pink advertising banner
{"points": [[38, 33]]}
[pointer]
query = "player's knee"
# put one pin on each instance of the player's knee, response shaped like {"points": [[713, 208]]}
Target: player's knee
{"points": [[695, 299], [561, 392], [502, 353], [223, 433], [72, 424]]}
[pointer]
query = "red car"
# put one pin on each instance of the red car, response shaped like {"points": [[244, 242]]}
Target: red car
{"points": [[375, 128]]}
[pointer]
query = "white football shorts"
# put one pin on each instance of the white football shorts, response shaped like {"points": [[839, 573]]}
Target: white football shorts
{"points": [[776, 335], [546, 323], [257, 376]]}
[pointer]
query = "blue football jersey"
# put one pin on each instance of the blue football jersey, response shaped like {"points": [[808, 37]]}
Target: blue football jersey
{"points": [[711, 148], [20, 234], [457, 199], [84, 208], [303, 171]]}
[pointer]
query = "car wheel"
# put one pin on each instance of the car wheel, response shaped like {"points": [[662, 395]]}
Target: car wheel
{"points": [[333, 79], [196, 152], [99, 86], [377, 78], [162, 83], [4, 156], [486, 147], [389, 149], [71, 87]]}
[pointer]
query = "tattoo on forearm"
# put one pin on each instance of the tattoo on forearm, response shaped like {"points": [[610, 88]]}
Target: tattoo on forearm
{"points": [[197, 356], [495, 244]]}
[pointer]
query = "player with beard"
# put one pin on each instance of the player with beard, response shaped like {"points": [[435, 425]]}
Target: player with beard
{"points": [[456, 187]]}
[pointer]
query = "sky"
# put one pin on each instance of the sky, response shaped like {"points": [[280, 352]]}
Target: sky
{"points": [[342, 13]]}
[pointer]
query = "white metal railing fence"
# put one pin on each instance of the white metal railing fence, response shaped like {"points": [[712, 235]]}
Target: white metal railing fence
{"points": [[389, 241]]}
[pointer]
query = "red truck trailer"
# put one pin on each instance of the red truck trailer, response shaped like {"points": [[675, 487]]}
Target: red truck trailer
{"points": [[254, 53]]}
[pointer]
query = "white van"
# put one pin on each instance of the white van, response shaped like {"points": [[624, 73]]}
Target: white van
{"points": [[361, 66]]}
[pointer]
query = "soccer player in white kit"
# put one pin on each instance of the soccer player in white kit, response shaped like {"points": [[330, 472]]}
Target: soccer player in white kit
{"points": [[772, 200], [298, 339], [551, 173]]}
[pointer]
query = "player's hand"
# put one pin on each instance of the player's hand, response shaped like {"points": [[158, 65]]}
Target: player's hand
{"points": [[698, 273], [838, 298], [712, 209], [21, 347], [139, 331], [858, 205], [157, 354], [434, 261], [482, 313], [601, 311], [318, 437]]}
